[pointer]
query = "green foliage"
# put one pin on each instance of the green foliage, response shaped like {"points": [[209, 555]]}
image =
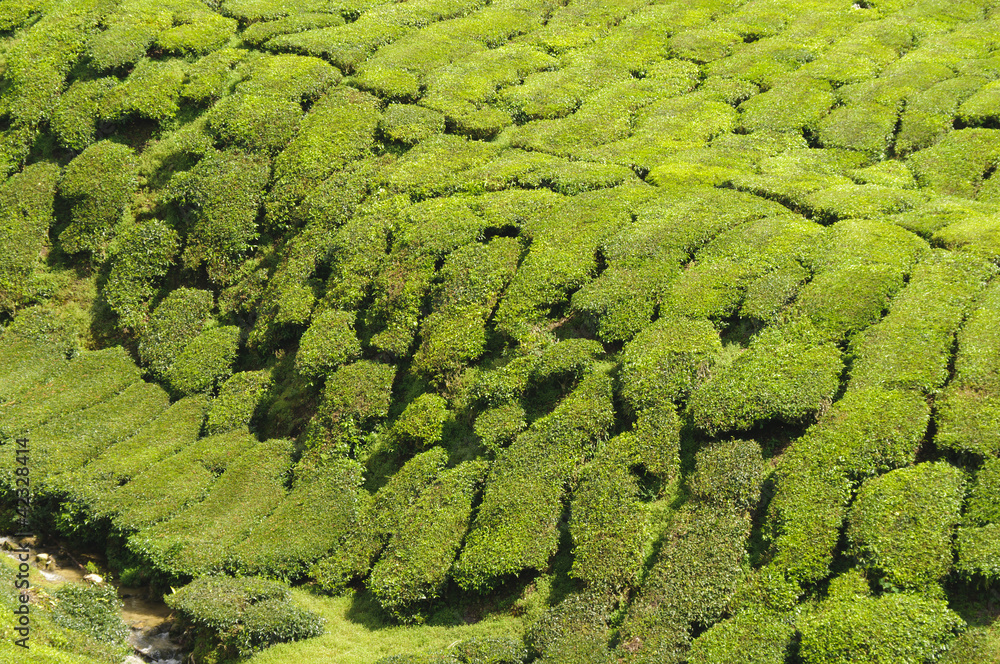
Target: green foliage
{"points": [[983, 504], [239, 398], [259, 33], [798, 105], [205, 361], [691, 581], [98, 186], [956, 164], [26, 204], [729, 473], [317, 513], [246, 614], [786, 373], [151, 91], [221, 196], [978, 552], [666, 361], [356, 396], [95, 611], [75, 117], [417, 560], [915, 552], [516, 526], [910, 347], [490, 650], [140, 256], [203, 31], [752, 637], [409, 124], [202, 538], [574, 631], [329, 342], [175, 322], [902, 628], [211, 76], [422, 423], [978, 644], [498, 426]]}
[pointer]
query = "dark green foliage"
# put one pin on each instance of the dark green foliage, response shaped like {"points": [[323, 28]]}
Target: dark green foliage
{"points": [[978, 552], [239, 398], [356, 396], [490, 650], [516, 527], [75, 116], [175, 322], [329, 342], [897, 628], [654, 442], [128, 34], [98, 185], [201, 538], [608, 524], [247, 614], [729, 473], [979, 644], [140, 255], [786, 373], [210, 77], [691, 581], [69, 441], [910, 347], [92, 610], [666, 361], [88, 379], [205, 361], [574, 631], [915, 552], [752, 637], [320, 509], [264, 123], [221, 195], [983, 504], [26, 212], [410, 124], [151, 91], [473, 278], [417, 560], [422, 423], [498, 426]]}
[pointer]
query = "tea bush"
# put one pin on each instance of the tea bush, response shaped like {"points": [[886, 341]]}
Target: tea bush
{"points": [[74, 119], [174, 323], [140, 255], [150, 91], [761, 637], [240, 396], [729, 474], [205, 361], [329, 342], [26, 201]]}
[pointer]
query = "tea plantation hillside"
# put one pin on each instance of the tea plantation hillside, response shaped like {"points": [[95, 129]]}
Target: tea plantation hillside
{"points": [[636, 331]]}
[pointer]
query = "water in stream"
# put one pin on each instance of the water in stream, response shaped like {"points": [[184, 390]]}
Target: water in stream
{"points": [[147, 617]]}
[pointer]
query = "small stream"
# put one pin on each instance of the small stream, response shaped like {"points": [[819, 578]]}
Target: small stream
{"points": [[148, 617]]}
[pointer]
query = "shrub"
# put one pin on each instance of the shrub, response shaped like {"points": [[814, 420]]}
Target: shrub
{"points": [[914, 552], [422, 423], [980, 108], [75, 117], [866, 127], [175, 322], [201, 538], [439, 165], [328, 343], [498, 426], [128, 34], [320, 509], [751, 637], [910, 347], [152, 91], [70, 440], [978, 552], [860, 201], [797, 104], [930, 114], [205, 31], [93, 610], [356, 396], [247, 614], [222, 194], [515, 528], [983, 505], [140, 255], [239, 398], [729, 473], [177, 480], [473, 277], [205, 361], [902, 628], [211, 76], [98, 186], [574, 631], [608, 524], [90, 378], [666, 361], [490, 650], [26, 205], [417, 560], [653, 443], [956, 164], [257, 34], [261, 123], [786, 373], [409, 124], [979, 644], [691, 581]]}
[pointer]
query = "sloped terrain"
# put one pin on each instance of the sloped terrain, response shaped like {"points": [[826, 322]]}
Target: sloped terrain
{"points": [[668, 328]]}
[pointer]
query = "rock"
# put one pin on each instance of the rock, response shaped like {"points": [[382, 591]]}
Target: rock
{"points": [[96, 579]]}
